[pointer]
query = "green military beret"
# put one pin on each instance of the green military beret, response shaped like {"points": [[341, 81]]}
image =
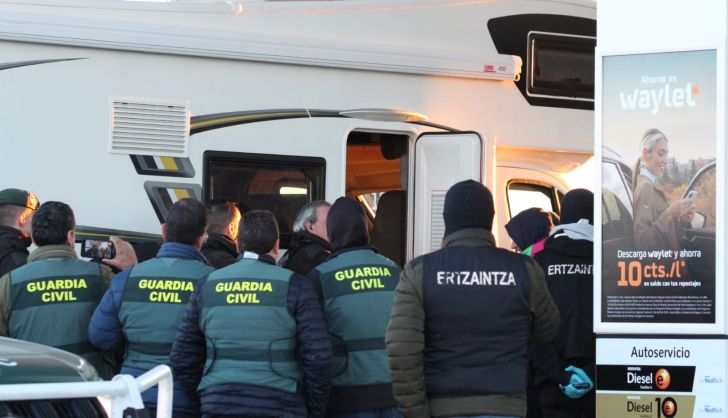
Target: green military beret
{"points": [[19, 198]]}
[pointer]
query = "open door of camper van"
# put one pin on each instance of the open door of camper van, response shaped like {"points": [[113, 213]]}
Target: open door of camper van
{"points": [[441, 160]]}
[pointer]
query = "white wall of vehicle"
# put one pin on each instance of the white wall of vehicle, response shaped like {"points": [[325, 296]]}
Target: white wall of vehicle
{"points": [[64, 119]]}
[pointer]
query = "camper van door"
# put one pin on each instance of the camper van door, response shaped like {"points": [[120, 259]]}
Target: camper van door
{"points": [[441, 160]]}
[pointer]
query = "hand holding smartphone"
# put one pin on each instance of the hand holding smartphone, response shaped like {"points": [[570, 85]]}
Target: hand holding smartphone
{"points": [[98, 249]]}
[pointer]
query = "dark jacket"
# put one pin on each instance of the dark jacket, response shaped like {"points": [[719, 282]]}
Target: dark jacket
{"points": [[107, 332], [406, 342], [13, 249], [219, 250], [567, 263], [306, 252], [238, 400]]}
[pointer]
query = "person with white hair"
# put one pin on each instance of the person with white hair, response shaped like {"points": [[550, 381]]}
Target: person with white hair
{"points": [[658, 223], [310, 243]]}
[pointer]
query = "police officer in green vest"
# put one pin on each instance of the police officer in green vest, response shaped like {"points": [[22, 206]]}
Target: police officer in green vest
{"points": [[145, 304], [356, 288], [50, 300], [253, 342]]}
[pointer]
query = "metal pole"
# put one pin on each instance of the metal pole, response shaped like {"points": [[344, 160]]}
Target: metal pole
{"points": [[162, 375], [36, 391]]}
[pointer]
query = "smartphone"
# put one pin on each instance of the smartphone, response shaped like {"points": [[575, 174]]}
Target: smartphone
{"points": [[92, 248], [691, 194]]}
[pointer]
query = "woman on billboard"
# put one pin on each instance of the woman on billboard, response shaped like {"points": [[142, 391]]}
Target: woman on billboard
{"points": [[658, 223]]}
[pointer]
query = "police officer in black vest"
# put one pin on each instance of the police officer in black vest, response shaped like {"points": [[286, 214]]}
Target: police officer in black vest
{"points": [[145, 304], [356, 288], [50, 300], [565, 367], [463, 317]]}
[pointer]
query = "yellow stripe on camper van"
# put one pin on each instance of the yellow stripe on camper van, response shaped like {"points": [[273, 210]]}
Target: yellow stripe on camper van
{"points": [[242, 117], [169, 163], [181, 193]]}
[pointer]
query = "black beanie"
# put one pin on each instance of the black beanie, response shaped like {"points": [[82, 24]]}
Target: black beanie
{"points": [[577, 204], [468, 204]]}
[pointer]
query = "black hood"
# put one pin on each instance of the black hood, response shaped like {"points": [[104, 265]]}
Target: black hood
{"points": [[529, 226], [346, 224]]}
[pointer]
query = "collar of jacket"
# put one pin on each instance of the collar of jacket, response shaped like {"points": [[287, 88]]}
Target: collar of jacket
{"points": [[52, 251], [253, 256], [349, 249], [304, 237], [581, 230], [215, 240], [470, 237], [15, 236], [179, 250]]}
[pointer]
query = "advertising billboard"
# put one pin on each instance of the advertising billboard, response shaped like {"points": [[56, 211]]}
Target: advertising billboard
{"points": [[659, 190]]}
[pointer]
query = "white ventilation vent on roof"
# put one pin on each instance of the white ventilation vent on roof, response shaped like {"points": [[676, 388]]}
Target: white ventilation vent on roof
{"points": [[437, 224], [149, 127]]}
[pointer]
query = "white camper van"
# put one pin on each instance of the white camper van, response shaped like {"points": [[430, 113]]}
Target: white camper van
{"points": [[120, 108]]}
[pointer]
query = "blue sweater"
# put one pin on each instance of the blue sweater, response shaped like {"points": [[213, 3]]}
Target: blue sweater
{"points": [[106, 331], [238, 400]]}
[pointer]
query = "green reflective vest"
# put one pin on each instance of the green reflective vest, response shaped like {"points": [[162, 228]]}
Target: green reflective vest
{"points": [[52, 301], [154, 302], [250, 334], [358, 291]]}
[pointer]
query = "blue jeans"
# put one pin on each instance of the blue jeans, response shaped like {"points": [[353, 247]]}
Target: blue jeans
{"points": [[378, 413]]}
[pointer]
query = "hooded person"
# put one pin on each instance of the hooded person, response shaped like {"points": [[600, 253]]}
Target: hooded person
{"points": [[444, 363], [529, 229], [566, 366], [356, 287]]}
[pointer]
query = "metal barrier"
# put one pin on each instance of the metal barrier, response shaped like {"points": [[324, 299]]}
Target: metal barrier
{"points": [[124, 391]]}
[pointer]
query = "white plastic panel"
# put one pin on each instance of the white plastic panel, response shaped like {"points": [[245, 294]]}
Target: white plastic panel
{"points": [[441, 160], [148, 127]]}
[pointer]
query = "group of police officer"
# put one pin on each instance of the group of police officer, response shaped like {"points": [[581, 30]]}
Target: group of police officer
{"points": [[448, 336]]}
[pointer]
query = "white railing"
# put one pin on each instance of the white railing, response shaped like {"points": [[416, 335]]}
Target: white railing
{"points": [[124, 391]]}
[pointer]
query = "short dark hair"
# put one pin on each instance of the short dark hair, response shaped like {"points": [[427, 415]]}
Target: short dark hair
{"points": [[186, 221], [9, 214], [51, 223], [220, 213], [258, 232]]}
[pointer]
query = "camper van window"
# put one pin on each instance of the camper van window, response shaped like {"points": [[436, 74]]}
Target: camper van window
{"points": [[278, 183], [561, 66], [523, 195]]}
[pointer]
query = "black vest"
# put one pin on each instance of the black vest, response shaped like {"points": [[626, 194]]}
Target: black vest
{"points": [[477, 326], [567, 264]]}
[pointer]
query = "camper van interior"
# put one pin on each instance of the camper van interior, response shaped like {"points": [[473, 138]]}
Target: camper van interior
{"points": [[376, 175]]}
